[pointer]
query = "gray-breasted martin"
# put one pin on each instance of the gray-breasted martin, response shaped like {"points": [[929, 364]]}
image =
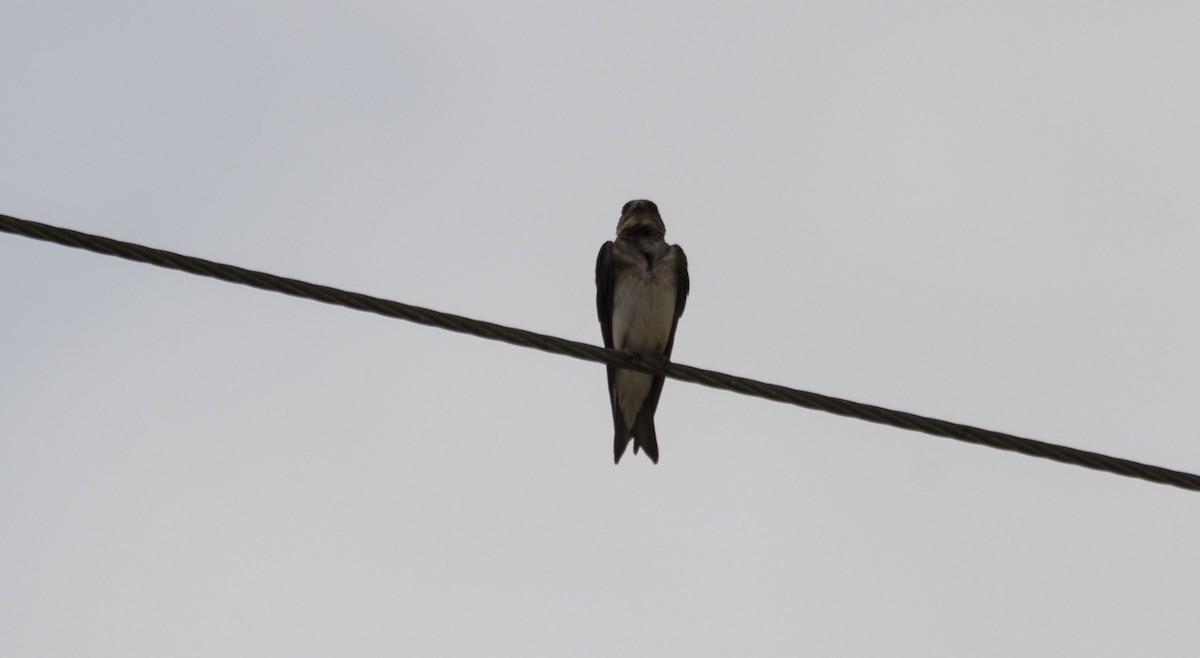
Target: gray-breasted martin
{"points": [[641, 289]]}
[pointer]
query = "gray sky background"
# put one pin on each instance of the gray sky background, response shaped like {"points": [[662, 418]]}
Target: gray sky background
{"points": [[985, 212]]}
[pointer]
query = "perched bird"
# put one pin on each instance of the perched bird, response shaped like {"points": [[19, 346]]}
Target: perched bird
{"points": [[641, 288]]}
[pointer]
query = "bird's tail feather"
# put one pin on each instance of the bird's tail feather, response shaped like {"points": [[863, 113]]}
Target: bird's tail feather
{"points": [[644, 436], [620, 442]]}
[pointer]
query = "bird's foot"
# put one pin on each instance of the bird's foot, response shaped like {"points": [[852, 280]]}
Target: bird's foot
{"points": [[658, 359]]}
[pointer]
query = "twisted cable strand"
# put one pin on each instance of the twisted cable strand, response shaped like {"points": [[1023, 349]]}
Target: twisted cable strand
{"points": [[555, 345]]}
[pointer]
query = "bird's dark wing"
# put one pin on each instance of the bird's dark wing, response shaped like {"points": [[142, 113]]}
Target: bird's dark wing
{"points": [[683, 286], [604, 311], [604, 292]]}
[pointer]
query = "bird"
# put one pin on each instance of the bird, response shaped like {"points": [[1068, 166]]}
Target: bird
{"points": [[641, 288]]}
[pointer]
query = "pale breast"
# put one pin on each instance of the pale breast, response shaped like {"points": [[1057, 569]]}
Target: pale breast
{"points": [[644, 304]]}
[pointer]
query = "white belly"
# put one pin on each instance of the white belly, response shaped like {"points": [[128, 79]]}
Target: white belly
{"points": [[632, 389], [643, 312]]}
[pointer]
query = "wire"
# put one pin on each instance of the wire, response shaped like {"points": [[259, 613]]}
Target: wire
{"points": [[588, 352]]}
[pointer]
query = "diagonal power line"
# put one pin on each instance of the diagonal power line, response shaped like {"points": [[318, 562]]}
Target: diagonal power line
{"points": [[392, 309]]}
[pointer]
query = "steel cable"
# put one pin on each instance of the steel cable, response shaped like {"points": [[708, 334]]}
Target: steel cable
{"points": [[392, 309]]}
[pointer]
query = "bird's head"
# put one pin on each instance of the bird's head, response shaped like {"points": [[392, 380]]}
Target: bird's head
{"points": [[640, 219]]}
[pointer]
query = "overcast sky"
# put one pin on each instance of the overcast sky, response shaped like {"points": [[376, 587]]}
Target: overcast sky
{"points": [[987, 212]]}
